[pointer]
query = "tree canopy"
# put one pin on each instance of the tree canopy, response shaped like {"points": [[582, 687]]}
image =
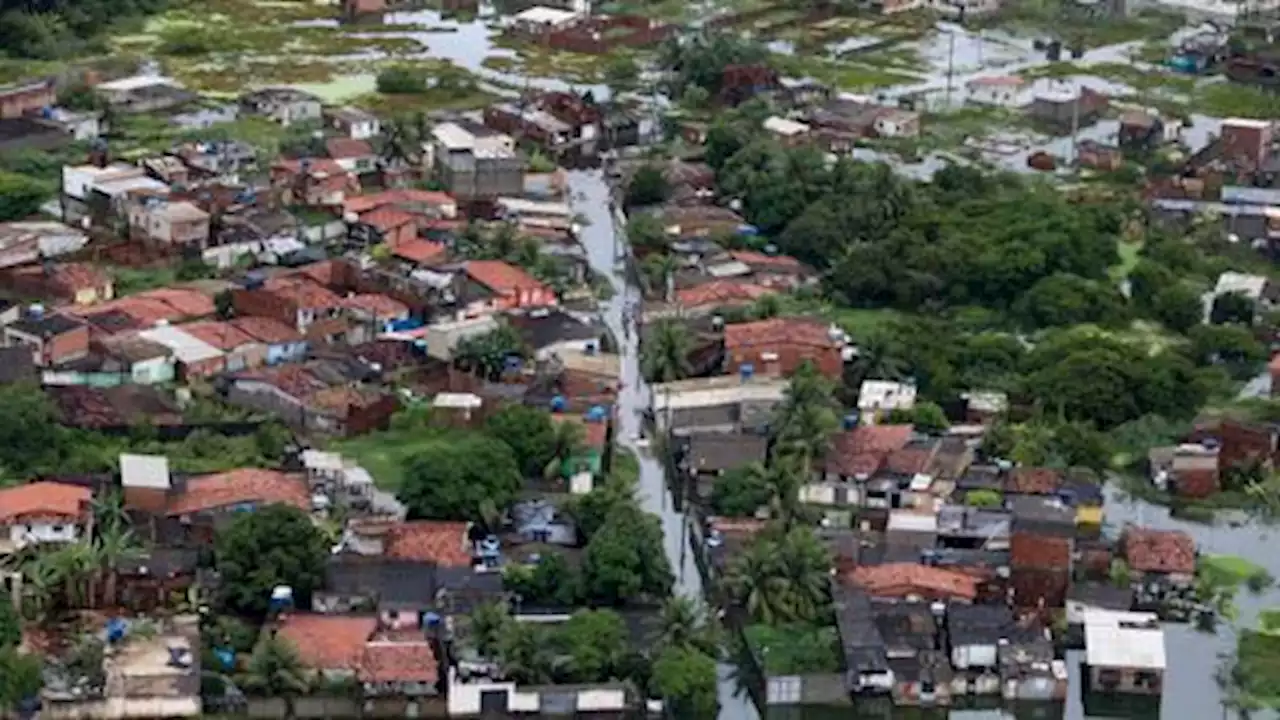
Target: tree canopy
{"points": [[458, 477], [274, 545], [530, 434]]}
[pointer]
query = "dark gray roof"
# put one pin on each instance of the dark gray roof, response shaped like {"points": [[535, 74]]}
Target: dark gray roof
{"points": [[906, 626], [715, 452], [46, 326], [542, 328], [1101, 595], [1038, 513], [161, 562], [16, 365], [860, 640], [397, 582], [978, 624], [705, 416]]}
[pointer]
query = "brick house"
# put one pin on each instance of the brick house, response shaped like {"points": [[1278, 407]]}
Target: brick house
{"points": [[490, 286], [320, 182], [302, 304], [1040, 567], [78, 283], [163, 222], [388, 225], [241, 349], [778, 346], [1167, 556], [53, 339], [912, 581], [25, 99], [352, 154], [356, 647], [221, 495]]}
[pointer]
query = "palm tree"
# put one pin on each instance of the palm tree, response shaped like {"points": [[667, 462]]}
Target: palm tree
{"points": [[756, 582], [74, 563], [569, 442], [489, 622], [275, 670], [877, 359], [526, 653], [115, 544], [664, 356], [684, 623], [783, 481], [40, 579], [807, 417], [659, 269], [808, 572]]}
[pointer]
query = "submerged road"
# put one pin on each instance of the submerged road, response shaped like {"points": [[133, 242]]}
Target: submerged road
{"points": [[590, 198]]}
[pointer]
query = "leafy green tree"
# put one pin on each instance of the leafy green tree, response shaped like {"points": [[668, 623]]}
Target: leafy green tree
{"points": [[648, 186], [621, 75], [1232, 307], [807, 417], [686, 680], [529, 432], [741, 491], [552, 581], [665, 350], [1233, 346], [274, 545], [927, 417], [646, 234], [401, 80], [625, 559], [20, 196], [983, 498], [452, 478], [595, 642], [1147, 279], [1177, 307], [10, 623], [489, 623], [20, 677], [569, 442], [31, 439], [591, 511], [1064, 299], [487, 354]]}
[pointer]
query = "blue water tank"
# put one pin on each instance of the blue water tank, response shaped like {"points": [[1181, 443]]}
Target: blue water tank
{"points": [[771, 249], [226, 657], [513, 362], [597, 414], [746, 371], [749, 230], [558, 404], [850, 421], [430, 619]]}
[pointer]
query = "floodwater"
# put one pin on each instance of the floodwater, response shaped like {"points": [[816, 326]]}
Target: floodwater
{"points": [[591, 198]]}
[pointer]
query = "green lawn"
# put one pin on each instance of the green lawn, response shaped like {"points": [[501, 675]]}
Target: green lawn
{"points": [[1129, 255], [861, 321], [383, 453]]}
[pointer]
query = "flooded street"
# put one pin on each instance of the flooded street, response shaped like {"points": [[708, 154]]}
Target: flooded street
{"points": [[590, 198]]}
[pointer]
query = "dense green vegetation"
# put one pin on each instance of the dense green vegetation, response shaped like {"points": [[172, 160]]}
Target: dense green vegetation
{"points": [[53, 29]]}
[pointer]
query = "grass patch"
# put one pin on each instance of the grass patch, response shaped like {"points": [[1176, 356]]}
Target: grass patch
{"points": [[844, 75], [1222, 99], [859, 322], [1231, 569], [135, 280], [383, 453], [793, 649], [1130, 254]]}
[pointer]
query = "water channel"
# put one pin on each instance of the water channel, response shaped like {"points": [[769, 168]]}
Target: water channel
{"points": [[591, 199]]}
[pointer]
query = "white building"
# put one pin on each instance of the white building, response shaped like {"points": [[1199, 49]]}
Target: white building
{"points": [[1124, 651], [43, 512], [1006, 91], [878, 398], [478, 696]]}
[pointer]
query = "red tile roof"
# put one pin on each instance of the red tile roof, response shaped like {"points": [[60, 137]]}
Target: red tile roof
{"points": [[443, 543], [1039, 552], [422, 252], [910, 461], [380, 306], [222, 335], [304, 293], [902, 579], [79, 276], [501, 277], [721, 292], [329, 272], [187, 303], [364, 203], [267, 330], [386, 219], [1160, 551], [319, 166], [292, 379], [777, 331], [774, 262], [328, 642], [391, 661], [347, 148], [862, 450], [246, 485], [44, 499], [1033, 481]]}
